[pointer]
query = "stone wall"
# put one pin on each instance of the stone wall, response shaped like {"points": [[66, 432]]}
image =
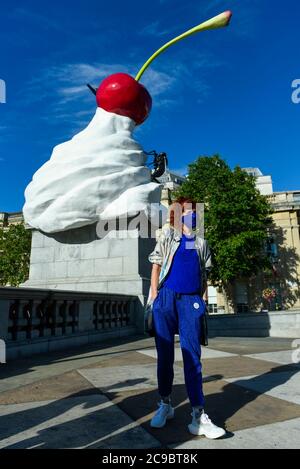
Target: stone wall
{"points": [[278, 324]]}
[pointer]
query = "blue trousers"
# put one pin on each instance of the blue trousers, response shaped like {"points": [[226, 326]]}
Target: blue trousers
{"points": [[172, 314]]}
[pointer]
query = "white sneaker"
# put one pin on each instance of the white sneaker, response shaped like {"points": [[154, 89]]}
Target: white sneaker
{"points": [[165, 412], [202, 425]]}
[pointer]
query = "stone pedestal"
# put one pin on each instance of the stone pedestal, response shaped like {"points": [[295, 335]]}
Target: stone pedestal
{"points": [[80, 260]]}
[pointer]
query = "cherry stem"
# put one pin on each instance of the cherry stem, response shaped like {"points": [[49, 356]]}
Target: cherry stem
{"points": [[218, 21]]}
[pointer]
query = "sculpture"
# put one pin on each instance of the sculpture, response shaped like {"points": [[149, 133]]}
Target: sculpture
{"points": [[101, 173]]}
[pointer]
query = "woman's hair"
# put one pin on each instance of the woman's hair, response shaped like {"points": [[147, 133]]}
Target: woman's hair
{"points": [[177, 208]]}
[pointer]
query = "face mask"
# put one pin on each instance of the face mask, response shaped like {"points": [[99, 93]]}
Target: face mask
{"points": [[190, 220]]}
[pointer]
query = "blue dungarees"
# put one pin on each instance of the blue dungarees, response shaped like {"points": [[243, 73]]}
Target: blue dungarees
{"points": [[178, 309]]}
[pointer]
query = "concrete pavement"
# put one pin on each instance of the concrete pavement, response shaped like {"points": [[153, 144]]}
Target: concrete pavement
{"points": [[105, 398]]}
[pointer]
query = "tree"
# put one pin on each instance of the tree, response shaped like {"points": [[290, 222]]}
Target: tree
{"points": [[237, 218], [15, 245]]}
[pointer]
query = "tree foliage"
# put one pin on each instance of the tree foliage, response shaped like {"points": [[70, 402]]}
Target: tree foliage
{"points": [[15, 245], [236, 217]]}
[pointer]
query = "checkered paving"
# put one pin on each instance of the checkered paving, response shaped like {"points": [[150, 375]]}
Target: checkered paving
{"points": [[106, 398]]}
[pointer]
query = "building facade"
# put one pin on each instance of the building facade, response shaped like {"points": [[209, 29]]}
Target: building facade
{"points": [[7, 219], [283, 247]]}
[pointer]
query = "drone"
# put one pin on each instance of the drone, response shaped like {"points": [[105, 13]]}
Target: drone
{"points": [[158, 165]]}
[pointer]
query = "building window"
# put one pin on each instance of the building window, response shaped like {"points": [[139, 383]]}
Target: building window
{"points": [[241, 297], [212, 309], [212, 300], [272, 249], [296, 196]]}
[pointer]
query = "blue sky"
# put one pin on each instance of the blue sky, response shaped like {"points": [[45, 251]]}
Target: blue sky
{"points": [[226, 91]]}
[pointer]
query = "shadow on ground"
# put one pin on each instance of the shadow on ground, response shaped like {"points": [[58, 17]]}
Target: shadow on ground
{"points": [[25, 365], [103, 426]]}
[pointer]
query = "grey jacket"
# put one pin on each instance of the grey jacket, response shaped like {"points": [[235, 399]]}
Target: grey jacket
{"points": [[166, 247]]}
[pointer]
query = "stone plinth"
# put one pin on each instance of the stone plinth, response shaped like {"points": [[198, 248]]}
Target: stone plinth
{"points": [[80, 260]]}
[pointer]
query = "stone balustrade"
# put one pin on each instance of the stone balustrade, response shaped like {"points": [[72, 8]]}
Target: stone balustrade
{"points": [[285, 200], [39, 320]]}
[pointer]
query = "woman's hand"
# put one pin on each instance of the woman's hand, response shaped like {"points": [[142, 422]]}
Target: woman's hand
{"points": [[154, 281], [154, 294]]}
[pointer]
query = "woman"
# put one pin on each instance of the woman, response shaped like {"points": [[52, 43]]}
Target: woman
{"points": [[181, 262]]}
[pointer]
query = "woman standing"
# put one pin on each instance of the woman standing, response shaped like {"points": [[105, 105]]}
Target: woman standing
{"points": [[181, 262]]}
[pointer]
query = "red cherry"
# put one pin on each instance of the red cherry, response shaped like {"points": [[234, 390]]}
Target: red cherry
{"points": [[122, 94]]}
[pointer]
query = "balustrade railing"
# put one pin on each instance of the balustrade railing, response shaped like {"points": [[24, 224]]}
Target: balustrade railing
{"points": [[31, 314]]}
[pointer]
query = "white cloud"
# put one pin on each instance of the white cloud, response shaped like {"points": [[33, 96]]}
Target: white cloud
{"points": [[69, 82], [157, 82], [71, 90], [183, 171], [64, 89]]}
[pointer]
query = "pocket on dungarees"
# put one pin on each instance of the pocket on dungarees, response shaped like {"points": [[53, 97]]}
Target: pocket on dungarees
{"points": [[197, 304]]}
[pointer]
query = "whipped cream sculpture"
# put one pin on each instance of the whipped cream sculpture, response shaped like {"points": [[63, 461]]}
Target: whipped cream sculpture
{"points": [[101, 172]]}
